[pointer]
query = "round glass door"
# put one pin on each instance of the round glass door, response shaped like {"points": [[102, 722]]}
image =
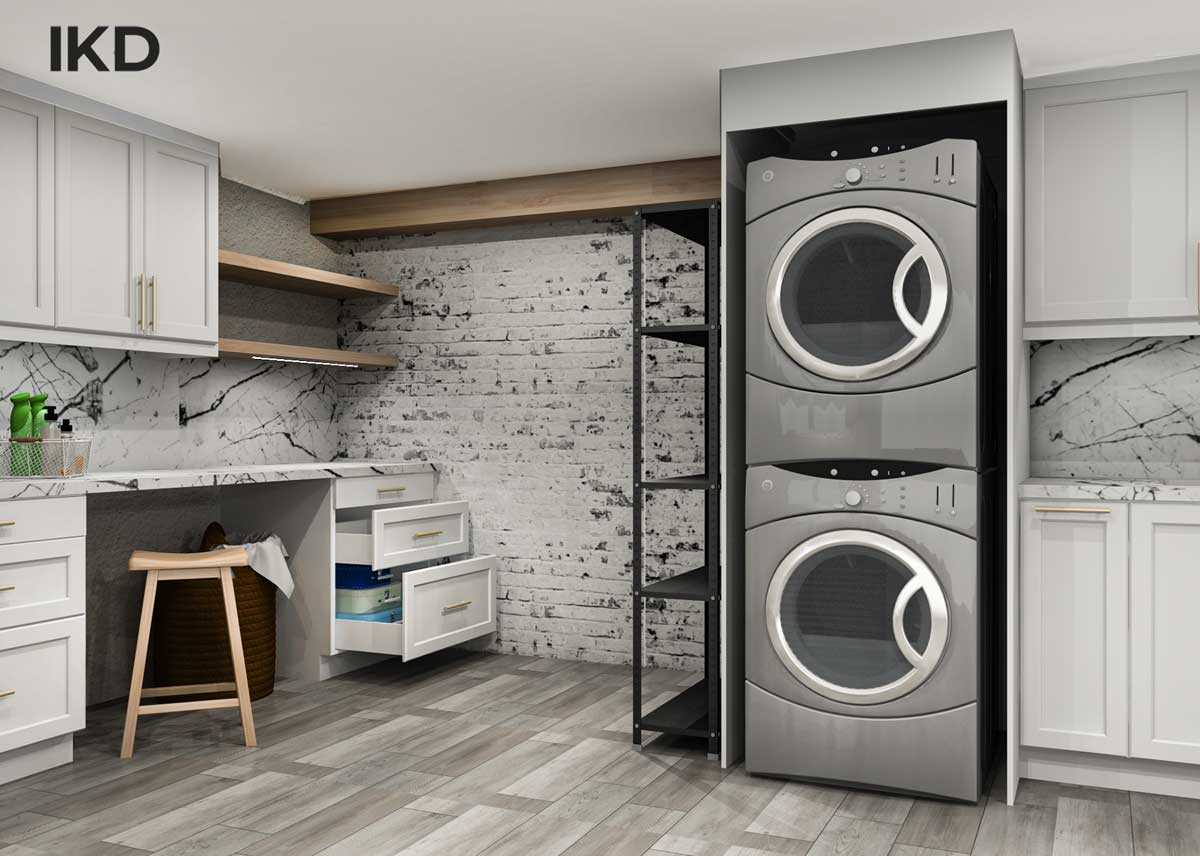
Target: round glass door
{"points": [[857, 294], [857, 616]]}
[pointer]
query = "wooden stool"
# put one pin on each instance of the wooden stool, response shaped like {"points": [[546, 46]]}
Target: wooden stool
{"points": [[213, 565]]}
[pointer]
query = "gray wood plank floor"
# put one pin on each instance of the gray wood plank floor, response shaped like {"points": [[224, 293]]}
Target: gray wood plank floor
{"points": [[467, 754]]}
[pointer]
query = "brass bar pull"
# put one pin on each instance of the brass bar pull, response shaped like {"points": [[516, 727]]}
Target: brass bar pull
{"points": [[1071, 509], [391, 490], [429, 534], [451, 606], [7, 693], [153, 305], [8, 588], [141, 322], [8, 523]]}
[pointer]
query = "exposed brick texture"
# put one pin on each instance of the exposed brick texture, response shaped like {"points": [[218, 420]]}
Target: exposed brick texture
{"points": [[515, 374]]}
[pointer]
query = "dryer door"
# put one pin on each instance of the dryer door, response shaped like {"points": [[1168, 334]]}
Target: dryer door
{"points": [[857, 616], [857, 293]]}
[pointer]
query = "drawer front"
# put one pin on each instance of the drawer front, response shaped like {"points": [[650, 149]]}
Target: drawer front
{"points": [[24, 520], [374, 637], [41, 681], [384, 490], [41, 580], [418, 533], [448, 605]]}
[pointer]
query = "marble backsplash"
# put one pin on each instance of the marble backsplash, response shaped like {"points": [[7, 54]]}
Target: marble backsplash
{"points": [[1115, 408], [153, 412]]}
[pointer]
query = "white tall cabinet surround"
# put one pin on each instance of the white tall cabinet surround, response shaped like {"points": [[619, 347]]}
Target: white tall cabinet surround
{"points": [[1113, 207], [108, 231], [1074, 622], [1165, 632], [27, 212]]}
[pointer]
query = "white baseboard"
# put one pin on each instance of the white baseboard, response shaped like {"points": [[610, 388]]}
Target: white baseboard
{"points": [[1105, 771], [19, 763]]}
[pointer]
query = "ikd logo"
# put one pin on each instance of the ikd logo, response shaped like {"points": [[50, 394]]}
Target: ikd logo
{"points": [[144, 45]]}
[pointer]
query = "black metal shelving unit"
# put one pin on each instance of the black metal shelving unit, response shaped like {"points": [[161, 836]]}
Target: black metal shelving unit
{"points": [[696, 711]]}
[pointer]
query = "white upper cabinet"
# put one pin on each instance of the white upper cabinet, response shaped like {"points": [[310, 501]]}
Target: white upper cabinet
{"points": [[99, 230], [1164, 632], [181, 242], [1112, 204], [27, 209], [1074, 614]]}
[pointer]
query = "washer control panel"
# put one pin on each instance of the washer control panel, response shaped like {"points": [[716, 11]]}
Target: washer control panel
{"points": [[942, 495]]}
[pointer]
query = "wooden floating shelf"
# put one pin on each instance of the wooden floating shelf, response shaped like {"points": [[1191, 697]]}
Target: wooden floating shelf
{"points": [[239, 349], [284, 276]]}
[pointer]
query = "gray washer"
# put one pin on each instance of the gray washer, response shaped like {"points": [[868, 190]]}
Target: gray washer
{"points": [[862, 628]]}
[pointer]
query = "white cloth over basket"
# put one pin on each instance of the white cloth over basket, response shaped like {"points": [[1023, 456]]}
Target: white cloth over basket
{"points": [[268, 557]]}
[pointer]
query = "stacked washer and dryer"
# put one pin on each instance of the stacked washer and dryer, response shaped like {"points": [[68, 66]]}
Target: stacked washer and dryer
{"points": [[873, 319]]}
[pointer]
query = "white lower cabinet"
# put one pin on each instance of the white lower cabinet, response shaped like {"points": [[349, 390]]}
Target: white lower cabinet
{"points": [[41, 681], [1074, 618], [1165, 632]]}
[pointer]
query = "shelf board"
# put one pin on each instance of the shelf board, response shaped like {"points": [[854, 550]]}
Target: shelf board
{"points": [[689, 222], [688, 334], [690, 585], [686, 714], [283, 276], [274, 352], [700, 482]]}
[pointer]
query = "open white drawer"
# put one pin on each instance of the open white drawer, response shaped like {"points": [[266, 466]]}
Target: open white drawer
{"points": [[403, 535], [443, 606]]}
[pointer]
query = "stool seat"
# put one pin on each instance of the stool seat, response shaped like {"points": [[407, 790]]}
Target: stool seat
{"points": [[144, 560]]}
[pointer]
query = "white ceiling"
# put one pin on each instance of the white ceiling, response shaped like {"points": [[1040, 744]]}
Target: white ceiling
{"points": [[322, 99]]}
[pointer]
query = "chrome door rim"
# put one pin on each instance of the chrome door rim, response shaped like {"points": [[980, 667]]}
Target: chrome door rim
{"points": [[923, 579], [922, 333]]}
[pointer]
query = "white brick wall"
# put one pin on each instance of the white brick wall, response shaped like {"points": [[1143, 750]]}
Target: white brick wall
{"points": [[515, 374]]}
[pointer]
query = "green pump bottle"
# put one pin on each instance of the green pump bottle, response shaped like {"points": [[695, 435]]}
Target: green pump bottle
{"points": [[20, 425]]}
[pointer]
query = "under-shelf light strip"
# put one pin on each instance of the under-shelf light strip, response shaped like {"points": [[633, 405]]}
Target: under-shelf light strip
{"points": [[307, 362]]}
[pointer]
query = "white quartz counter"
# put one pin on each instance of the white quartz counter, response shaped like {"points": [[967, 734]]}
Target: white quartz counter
{"points": [[134, 480], [1110, 490]]}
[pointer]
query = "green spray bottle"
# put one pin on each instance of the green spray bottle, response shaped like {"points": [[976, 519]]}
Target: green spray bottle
{"points": [[20, 426]]}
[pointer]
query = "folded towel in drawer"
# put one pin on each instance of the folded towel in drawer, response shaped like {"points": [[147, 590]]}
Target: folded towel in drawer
{"points": [[391, 615]]}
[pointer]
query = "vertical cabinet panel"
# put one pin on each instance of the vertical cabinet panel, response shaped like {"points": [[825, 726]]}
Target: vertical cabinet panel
{"points": [[181, 242], [26, 210], [1165, 632], [1074, 578], [1113, 207], [99, 211]]}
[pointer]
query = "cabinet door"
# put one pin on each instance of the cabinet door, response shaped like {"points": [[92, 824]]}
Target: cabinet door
{"points": [[181, 242], [27, 212], [1074, 643], [1113, 200], [98, 224], [1165, 632]]}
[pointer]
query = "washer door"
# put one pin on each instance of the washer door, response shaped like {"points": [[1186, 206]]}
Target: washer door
{"points": [[857, 617], [857, 294]]}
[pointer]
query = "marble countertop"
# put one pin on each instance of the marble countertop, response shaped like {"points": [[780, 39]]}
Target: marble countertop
{"points": [[1110, 490], [133, 480]]}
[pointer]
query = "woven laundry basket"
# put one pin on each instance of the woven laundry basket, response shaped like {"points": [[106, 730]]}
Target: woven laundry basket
{"points": [[191, 640]]}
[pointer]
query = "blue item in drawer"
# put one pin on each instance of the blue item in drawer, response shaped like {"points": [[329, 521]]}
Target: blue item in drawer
{"points": [[392, 615], [361, 576]]}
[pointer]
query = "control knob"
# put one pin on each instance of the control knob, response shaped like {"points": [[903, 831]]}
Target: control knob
{"points": [[854, 175], [853, 498]]}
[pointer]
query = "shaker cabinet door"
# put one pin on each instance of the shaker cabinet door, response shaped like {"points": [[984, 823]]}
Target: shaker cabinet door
{"points": [[26, 211], [181, 242], [1164, 632], [1074, 576], [99, 212], [1113, 200]]}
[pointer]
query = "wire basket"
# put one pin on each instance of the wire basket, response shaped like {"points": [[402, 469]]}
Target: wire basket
{"points": [[55, 459]]}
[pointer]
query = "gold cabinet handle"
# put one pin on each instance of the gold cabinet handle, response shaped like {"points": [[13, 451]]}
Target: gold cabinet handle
{"points": [[391, 489], [459, 605], [1071, 510], [7, 693], [8, 523], [429, 534], [141, 322], [8, 588], [153, 305]]}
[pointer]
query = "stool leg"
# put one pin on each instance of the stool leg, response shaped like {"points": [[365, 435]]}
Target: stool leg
{"points": [[239, 657], [139, 664]]}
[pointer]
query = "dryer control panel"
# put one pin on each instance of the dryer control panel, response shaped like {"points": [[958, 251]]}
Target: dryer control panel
{"points": [[945, 496], [946, 168]]}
